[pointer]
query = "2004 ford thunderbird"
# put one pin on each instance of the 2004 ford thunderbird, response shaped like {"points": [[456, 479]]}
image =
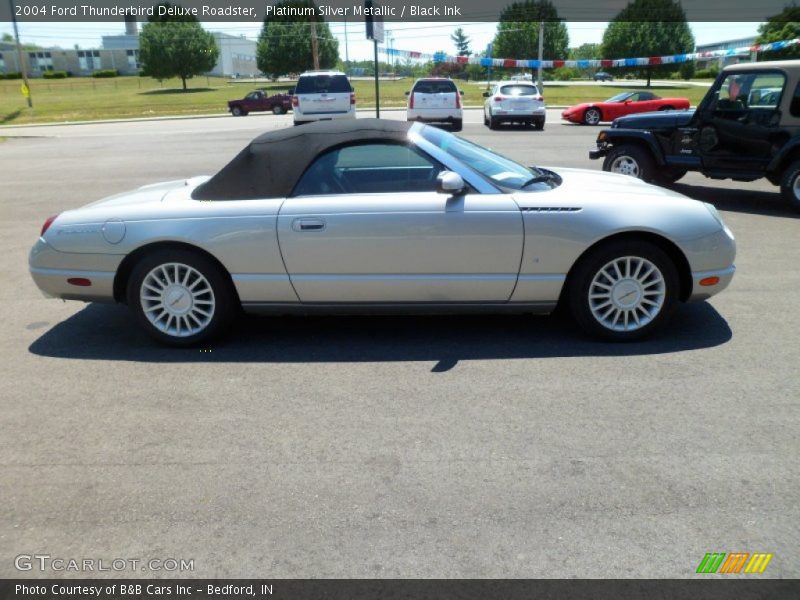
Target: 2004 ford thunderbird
{"points": [[372, 215]]}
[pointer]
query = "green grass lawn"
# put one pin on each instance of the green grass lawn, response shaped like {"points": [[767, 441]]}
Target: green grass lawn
{"points": [[86, 99]]}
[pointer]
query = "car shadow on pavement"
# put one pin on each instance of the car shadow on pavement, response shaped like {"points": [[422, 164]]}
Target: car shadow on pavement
{"points": [[108, 332], [770, 204]]}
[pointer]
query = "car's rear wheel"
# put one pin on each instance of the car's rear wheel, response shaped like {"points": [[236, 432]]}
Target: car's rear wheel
{"points": [[180, 297], [493, 123], [624, 292], [458, 125], [485, 119], [538, 125], [237, 111], [666, 108], [790, 185], [629, 159], [277, 109]]}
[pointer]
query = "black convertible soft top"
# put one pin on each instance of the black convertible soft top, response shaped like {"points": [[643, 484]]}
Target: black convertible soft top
{"points": [[271, 164]]}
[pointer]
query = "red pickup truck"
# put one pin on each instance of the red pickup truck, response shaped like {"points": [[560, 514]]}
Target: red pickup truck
{"points": [[258, 100]]}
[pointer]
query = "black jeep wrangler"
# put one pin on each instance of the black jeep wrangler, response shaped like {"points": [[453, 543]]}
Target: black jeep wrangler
{"points": [[746, 127]]}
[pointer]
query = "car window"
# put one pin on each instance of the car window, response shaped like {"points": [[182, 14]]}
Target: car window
{"points": [[435, 87], [498, 169], [323, 84], [253, 96], [519, 90], [620, 97], [750, 90], [371, 168], [647, 96]]}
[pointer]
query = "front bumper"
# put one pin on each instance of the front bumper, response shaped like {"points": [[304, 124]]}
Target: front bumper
{"points": [[702, 292]]}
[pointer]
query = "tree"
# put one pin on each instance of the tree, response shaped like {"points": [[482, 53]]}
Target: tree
{"points": [[7, 37], [176, 47], [462, 41], [518, 32], [647, 28], [284, 45], [784, 26]]}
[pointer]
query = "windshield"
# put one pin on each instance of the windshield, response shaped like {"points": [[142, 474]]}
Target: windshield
{"points": [[620, 97], [500, 170]]}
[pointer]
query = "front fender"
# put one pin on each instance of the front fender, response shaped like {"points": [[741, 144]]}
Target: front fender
{"points": [[617, 137]]}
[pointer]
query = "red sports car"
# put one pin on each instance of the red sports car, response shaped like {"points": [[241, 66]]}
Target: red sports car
{"points": [[625, 103]]}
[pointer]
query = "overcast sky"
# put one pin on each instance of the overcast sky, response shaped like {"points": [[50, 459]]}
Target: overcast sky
{"points": [[421, 37]]}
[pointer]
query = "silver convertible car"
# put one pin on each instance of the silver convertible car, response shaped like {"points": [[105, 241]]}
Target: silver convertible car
{"points": [[371, 215]]}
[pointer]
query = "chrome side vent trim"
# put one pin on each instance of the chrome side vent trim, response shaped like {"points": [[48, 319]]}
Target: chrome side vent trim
{"points": [[551, 209]]}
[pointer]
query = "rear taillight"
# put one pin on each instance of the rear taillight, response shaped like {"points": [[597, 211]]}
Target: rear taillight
{"points": [[458, 100], [411, 100], [47, 224], [498, 98], [295, 101], [353, 98], [539, 98]]}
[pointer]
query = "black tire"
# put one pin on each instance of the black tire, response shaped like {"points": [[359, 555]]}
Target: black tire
{"points": [[669, 176], [660, 286], [493, 123], [277, 110], [790, 185], [630, 159], [666, 108], [237, 111], [485, 119], [592, 116], [538, 125], [457, 125], [219, 298]]}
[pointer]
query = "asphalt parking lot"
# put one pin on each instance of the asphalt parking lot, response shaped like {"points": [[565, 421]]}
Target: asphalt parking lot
{"points": [[391, 446]]}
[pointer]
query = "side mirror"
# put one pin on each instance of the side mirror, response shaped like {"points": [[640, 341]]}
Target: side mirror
{"points": [[450, 183], [486, 94], [461, 92], [408, 93], [628, 101]]}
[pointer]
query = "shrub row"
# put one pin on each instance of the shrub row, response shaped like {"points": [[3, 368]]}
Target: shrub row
{"points": [[10, 75], [55, 75], [103, 73]]}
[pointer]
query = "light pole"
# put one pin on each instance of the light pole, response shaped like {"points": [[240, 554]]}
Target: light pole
{"points": [[541, 56], [22, 67]]}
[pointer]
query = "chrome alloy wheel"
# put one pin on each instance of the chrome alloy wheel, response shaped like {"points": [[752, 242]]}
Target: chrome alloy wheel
{"points": [[625, 165], [627, 293], [177, 299]]}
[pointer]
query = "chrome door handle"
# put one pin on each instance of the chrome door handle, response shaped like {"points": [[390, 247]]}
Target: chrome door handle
{"points": [[308, 224]]}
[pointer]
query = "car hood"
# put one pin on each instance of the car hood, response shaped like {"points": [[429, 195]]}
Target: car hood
{"points": [[578, 107], [665, 119], [583, 187]]}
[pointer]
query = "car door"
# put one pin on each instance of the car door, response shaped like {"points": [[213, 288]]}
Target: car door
{"points": [[738, 128], [365, 224]]}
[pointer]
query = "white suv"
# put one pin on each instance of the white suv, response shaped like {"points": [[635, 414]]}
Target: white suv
{"points": [[514, 101], [322, 96], [435, 100]]}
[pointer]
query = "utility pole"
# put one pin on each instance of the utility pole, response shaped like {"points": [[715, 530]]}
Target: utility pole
{"points": [[314, 44], [346, 52], [541, 56], [26, 90]]}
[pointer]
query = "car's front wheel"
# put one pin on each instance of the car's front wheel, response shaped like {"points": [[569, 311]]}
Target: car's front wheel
{"points": [[629, 159], [623, 292], [790, 185], [181, 298], [592, 116]]}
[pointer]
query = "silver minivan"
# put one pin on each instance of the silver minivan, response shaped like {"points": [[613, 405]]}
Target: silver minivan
{"points": [[323, 96]]}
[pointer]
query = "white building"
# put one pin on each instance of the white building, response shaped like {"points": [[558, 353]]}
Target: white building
{"points": [[237, 56]]}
